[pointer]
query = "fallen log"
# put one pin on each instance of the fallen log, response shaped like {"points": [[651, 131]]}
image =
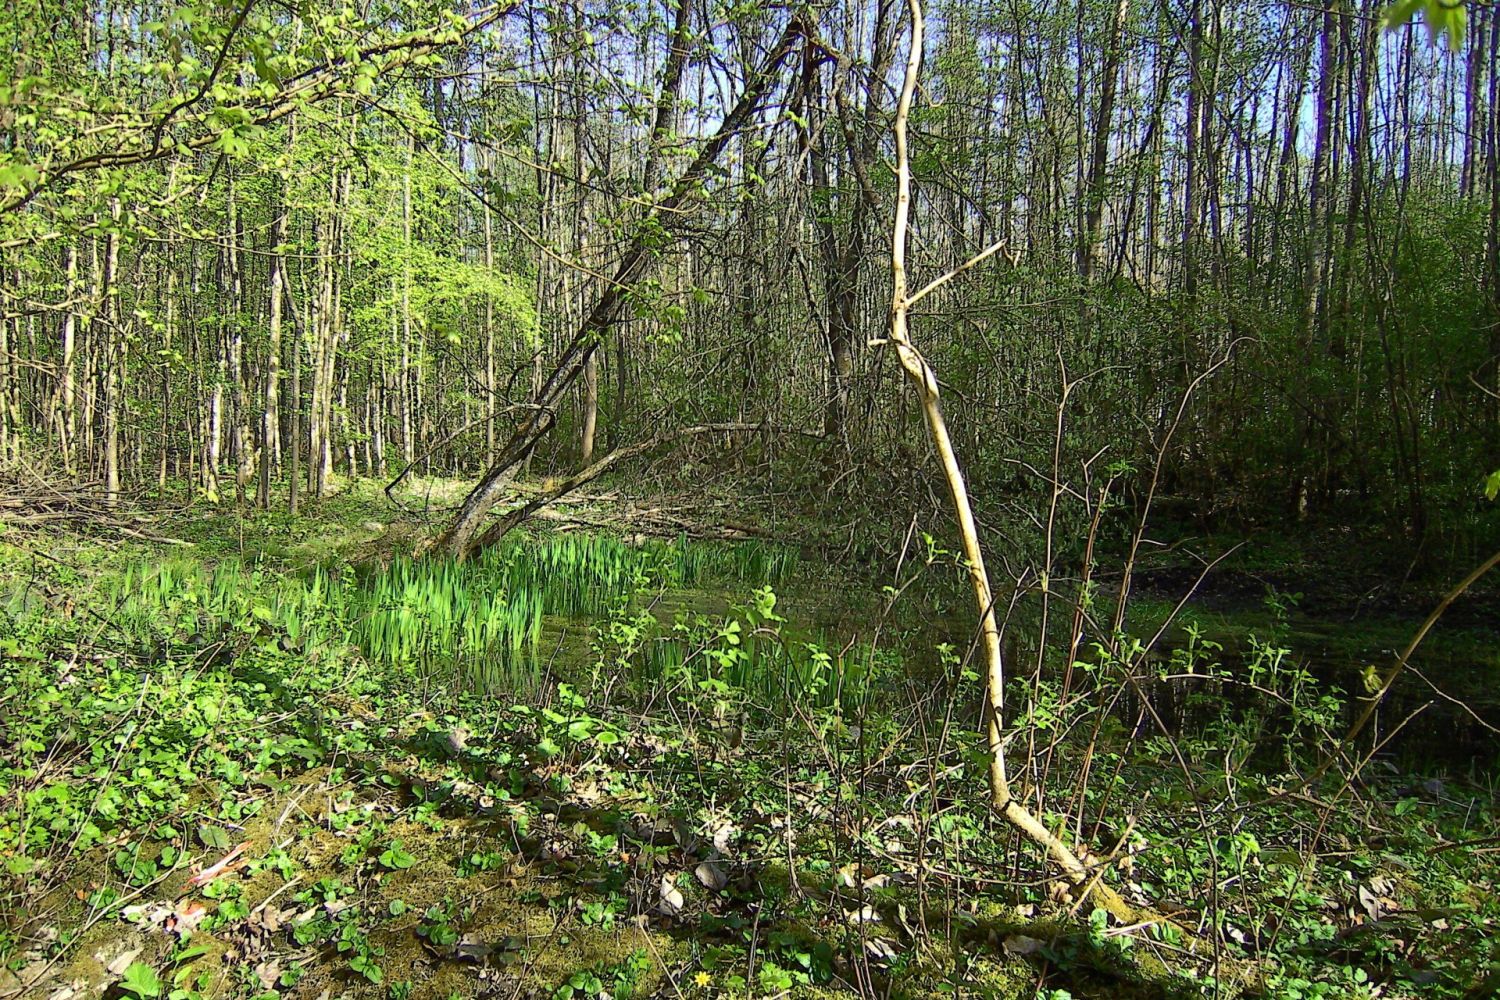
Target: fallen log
{"points": [[643, 523], [549, 495]]}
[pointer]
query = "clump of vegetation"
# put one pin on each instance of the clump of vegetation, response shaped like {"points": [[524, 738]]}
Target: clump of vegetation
{"points": [[477, 623]]}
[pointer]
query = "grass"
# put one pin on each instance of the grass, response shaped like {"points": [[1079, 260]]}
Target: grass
{"points": [[476, 624]]}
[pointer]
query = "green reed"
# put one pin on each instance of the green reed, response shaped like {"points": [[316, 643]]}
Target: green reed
{"points": [[477, 622]]}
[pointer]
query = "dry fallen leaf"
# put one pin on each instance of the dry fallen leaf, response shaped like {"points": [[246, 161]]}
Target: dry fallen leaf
{"points": [[1369, 902], [1020, 944], [471, 949], [669, 902], [710, 875], [268, 972], [122, 961], [723, 836]]}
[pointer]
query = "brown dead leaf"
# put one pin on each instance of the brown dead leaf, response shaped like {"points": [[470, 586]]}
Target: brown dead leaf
{"points": [[711, 875], [1369, 902], [268, 972], [1021, 944]]}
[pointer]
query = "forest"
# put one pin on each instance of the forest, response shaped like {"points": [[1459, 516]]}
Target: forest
{"points": [[715, 499]]}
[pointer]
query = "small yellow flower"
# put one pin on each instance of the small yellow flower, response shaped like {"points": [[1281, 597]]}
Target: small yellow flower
{"points": [[703, 979]]}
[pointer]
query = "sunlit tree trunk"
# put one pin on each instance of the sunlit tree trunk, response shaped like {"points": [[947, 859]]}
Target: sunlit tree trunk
{"points": [[67, 395], [116, 357]]}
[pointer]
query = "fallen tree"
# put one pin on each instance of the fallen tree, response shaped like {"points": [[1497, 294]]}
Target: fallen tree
{"points": [[463, 535], [561, 488]]}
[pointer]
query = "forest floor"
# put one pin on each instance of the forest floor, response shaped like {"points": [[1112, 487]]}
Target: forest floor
{"points": [[259, 756]]}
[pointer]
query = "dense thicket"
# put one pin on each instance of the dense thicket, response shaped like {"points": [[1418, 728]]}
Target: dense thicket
{"points": [[258, 244]]}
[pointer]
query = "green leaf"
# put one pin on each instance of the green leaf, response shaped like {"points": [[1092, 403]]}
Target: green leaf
{"points": [[396, 857], [1492, 485], [191, 952], [20, 864], [213, 837], [141, 980], [367, 968], [1444, 18]]}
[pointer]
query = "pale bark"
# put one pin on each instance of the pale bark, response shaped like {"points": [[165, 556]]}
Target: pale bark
{"points": [[925, 382], [116, 358]]}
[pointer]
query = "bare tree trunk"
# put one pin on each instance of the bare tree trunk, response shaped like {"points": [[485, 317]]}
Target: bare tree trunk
{"points": [[294, 463], [1492, 244], [924, 380], [239, 375], [1474, 123], [491, 387], [1317, 188], [326, 333], [1190, 206], [10, 389], [270, 416], [843, 256], [590, 410], [67, 402], [114, 373], [1099, 154], [168, 329]]}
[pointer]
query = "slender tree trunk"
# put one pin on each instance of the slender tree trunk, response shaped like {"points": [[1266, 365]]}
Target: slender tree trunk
{"points": [[491, 387], [67, 386], [239, 374], [169, 328], [10, 388], [1492, 244], [1099, 153], [294, 463], [590, 410], [114, 374], [924, 380], [1191, 154], [270, 422]]}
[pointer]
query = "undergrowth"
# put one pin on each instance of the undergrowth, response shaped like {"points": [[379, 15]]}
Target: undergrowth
{"points": [[562, 770]]}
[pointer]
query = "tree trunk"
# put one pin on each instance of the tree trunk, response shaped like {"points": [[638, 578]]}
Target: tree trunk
{"points": [[924, 380], [1099, 154], [67, 409], [116, 358]]}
